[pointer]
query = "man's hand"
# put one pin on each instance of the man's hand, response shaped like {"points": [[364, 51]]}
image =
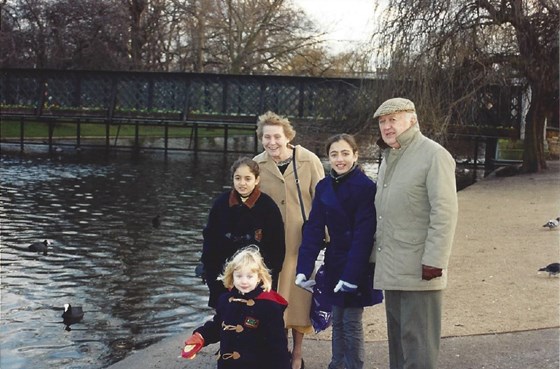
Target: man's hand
{"points": [[301, 281], [192, 346], [429, 273]]}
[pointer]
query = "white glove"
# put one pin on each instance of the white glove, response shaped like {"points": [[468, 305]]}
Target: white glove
{"points": [[301, 281], [345, 287]]}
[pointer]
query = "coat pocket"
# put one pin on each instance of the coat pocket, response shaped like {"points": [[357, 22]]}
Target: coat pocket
{"points": [[411, 237], [408, 251]]}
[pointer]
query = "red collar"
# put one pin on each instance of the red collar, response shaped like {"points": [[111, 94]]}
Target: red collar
{"points": [[272, 296], [251, 200]]}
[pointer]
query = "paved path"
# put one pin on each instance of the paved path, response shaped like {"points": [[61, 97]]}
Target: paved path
{"points": [[537, 349]]}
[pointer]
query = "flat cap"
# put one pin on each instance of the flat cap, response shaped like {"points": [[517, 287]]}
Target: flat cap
{"points": [[394, 105]]}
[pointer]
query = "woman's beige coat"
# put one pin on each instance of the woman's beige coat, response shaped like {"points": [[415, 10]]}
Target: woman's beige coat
{"points": [[282, 189]]}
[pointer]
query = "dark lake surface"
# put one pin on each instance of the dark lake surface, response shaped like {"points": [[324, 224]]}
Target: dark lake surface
{"points": [[135, 283]]}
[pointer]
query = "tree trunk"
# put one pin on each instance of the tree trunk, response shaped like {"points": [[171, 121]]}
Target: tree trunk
{"points": [[137, 8], [533, 153]]}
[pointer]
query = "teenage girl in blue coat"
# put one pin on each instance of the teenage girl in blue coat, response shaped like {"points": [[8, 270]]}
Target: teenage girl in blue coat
{"points": [[344, 203]]}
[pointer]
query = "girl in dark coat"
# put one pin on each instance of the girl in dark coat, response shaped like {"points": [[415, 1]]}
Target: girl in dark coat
{"points": [[344, 203], [241, 217], [249, 322]]}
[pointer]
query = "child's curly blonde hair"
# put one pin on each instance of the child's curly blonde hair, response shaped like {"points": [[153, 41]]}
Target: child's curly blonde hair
{"points": [[248, 257]]}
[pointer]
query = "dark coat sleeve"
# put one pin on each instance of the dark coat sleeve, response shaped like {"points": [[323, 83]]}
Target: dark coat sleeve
{"points": [[213, 248], [216, 248], [211, 330], [313, 233], [274, 244]]}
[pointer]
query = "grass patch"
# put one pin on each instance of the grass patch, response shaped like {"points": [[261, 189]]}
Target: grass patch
{"points": [[11, 129], [509, 149]]}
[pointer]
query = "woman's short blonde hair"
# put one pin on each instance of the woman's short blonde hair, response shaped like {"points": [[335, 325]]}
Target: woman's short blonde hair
{"points": [[272, 119], [248, 257]]}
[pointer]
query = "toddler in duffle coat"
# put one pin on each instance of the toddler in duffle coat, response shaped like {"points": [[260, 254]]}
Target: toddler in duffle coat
{"points": [[249, 319]]}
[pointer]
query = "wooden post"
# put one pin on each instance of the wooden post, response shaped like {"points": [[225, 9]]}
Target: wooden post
{"points": [[107, 132], [78, 133], [21, 133], [136, 141], [51, 130], [490, 154], [226, 131], [165, 138], [475, 158], [256, 142], [195, 128]]}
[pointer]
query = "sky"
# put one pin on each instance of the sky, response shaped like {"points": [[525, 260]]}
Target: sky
{"points": [[348, 22]]}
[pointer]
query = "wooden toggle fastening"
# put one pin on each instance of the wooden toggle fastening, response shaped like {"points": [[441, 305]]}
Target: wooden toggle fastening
{"points": [[249, 302], [227, 327], [233, 355]]}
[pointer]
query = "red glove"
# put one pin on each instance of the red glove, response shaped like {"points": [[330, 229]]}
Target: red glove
{"points": [[429, 272], [192, 346]]}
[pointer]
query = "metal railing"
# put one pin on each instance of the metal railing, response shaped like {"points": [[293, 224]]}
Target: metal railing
{"points": [[209, 100]]}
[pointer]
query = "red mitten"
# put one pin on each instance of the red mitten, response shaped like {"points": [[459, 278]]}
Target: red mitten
{"points": [[192, 346]]}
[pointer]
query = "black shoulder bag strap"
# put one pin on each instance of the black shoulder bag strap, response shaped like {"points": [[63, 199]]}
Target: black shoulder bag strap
{"points": [[298, 188]]}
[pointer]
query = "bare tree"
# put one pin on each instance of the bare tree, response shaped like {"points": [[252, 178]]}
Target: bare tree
{"points": [[220, 36], [28, 29], [77, 34], [10, 41], [318, 61], [454, 48], [87, 34], [232, 36], [255, 36]]}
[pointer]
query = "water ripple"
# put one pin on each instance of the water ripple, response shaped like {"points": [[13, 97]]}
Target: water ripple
{"points": [[136, 284]]}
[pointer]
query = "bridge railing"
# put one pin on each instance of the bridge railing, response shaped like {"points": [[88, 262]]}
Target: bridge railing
{"points": [[212, 100], [186, 96]]}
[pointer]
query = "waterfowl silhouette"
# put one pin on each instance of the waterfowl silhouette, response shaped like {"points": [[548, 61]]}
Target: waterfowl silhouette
{"points": [[72, 315], [552, 223], [40, 246], [551, 269], [156, 221]]}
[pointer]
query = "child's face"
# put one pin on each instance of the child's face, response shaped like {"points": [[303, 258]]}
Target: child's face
{"points": [[245, 279], [244, 181]]}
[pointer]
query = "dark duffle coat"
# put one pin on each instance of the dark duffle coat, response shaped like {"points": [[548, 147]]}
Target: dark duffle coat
{"points": [[347, 209], [232, 225], [250, 329]]}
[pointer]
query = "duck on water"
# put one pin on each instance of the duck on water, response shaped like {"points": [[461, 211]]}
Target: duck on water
{"points": [[40, 246], [72, 315]]}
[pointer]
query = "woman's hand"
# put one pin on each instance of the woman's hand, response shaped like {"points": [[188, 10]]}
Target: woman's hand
{"points": [[343, 286], [303, 282]]}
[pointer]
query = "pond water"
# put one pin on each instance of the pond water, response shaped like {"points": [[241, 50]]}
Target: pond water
{"points": [[135, 283]]}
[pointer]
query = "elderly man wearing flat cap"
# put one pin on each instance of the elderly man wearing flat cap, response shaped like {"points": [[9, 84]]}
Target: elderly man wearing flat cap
{"points": [[416, 204]]}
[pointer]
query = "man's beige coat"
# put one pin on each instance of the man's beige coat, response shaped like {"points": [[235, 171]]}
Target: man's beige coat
{"points": [[416, 205]]}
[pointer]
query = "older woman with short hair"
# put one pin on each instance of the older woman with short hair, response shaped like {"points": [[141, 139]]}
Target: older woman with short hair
{"points": [[279, 182]]}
